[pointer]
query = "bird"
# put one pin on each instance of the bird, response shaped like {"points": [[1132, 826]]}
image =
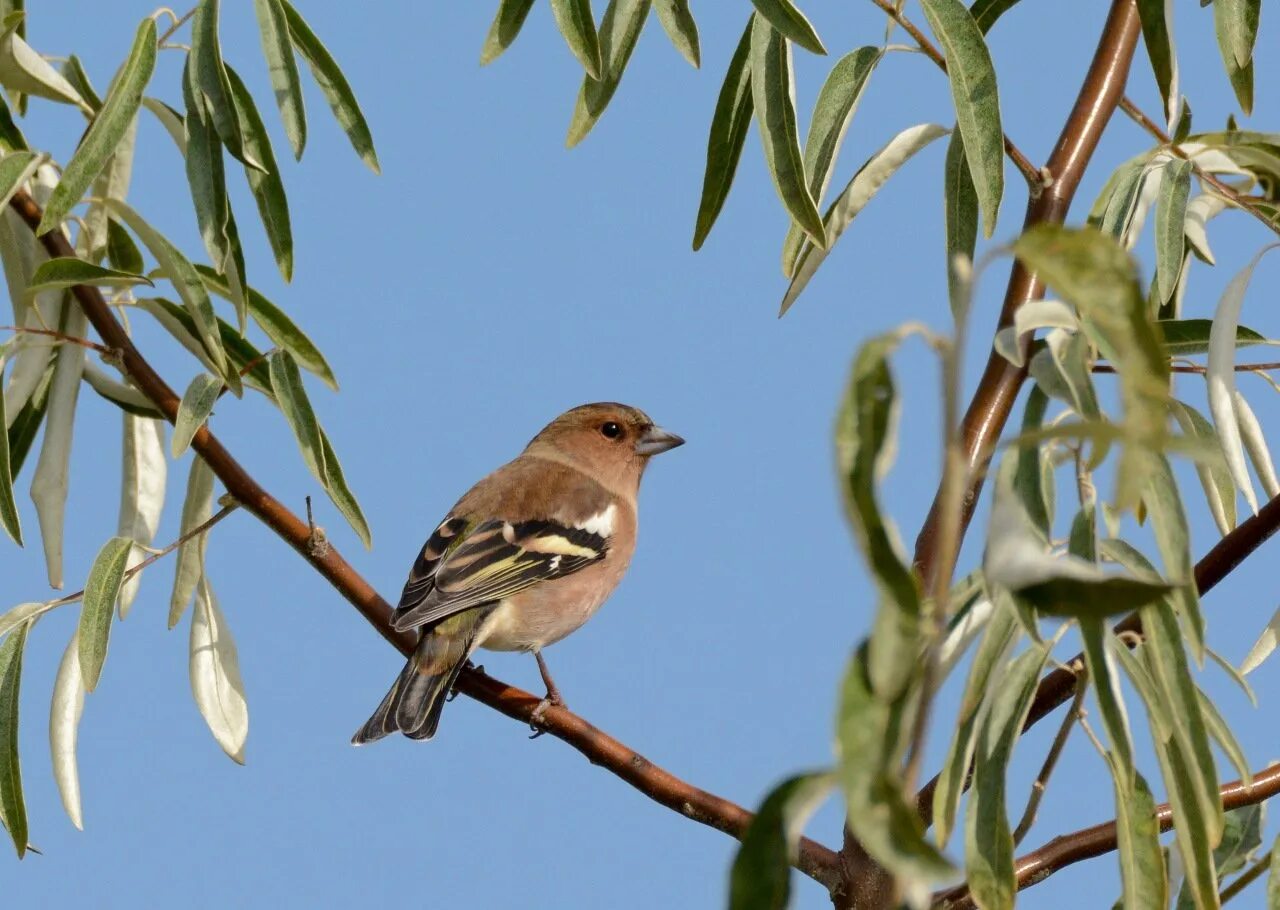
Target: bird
{"points": [[523, 559]]}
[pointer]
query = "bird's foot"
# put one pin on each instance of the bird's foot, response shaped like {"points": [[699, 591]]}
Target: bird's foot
{"points": [[535, 718], [453, 690]]}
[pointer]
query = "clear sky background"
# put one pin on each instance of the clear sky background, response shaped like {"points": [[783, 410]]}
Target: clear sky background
{"points": [[487, 281]]}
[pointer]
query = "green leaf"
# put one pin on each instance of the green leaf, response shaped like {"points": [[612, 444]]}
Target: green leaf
{"points": [[1173, 538], [100, 593], [122, 252], [340, 493], [337, 91], [65, 709], [68, 271], [26, 423], [245, 359], [960, 211], [787, 19], [729, 127], [861, 189], [12, 803], [988, 841], [1221, 733], [266, 185], [677, 22], [761, 875], [1236, 23], [215, 675], [977, 102], [197, 508], [106, 130], [125, 397], [1138, 839], [1171, 214], [171, 120], [1028, 479], [978, 691], [206, 79], [25, 72], [142, 488], [196, 406], [291, 396], [8, 507], [1273, 877], [986, 12], [1183, 337], [1106, 686], [186, 281], [16, 168], [277, 326], [832, 114], [506, 26], [619, 31], [1219, 488], [11, 138], [273, 27], [577, 24], [773, 93], [1157, 34], [74, 72]]}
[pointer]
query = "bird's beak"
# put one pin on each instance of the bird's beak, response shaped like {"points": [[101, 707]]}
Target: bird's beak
{"points": [[656, 440]]}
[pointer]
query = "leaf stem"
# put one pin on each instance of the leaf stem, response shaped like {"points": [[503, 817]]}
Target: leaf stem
{"points": [[1247, 878], [1041, 782], [50, 333]]}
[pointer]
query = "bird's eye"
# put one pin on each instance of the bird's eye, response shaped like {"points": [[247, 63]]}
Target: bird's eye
{"points": [[610, 430]]}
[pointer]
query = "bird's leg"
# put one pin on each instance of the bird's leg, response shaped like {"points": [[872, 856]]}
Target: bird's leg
{"points": [[453, 689], [553, 697]]}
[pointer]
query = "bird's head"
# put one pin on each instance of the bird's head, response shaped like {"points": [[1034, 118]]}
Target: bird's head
{"points": [[613, 442]]}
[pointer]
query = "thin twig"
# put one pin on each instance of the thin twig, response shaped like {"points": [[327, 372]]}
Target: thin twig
{"points": [[1247, 878], [61, 336], [1197, 368], [813, 859], [1033, 176], [1051, 761], [178, 22], [1224, 189]]}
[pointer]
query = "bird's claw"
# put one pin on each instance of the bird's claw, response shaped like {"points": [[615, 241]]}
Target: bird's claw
{"points": [[535, 718]]}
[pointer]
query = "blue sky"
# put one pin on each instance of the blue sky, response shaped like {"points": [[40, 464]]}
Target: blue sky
{"points": [[487, 281]]}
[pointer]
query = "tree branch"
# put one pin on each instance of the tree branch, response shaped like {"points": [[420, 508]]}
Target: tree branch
{"points": [[1068, 849], [814, 860]]}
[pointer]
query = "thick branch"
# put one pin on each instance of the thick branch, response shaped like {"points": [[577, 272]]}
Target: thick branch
{"points": [[814, 860], [1067, 849]]}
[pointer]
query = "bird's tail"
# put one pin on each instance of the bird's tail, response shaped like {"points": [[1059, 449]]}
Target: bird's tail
{"points": [[416, 699]]}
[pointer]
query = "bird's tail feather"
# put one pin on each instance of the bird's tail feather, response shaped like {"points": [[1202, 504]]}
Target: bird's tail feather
{"points": [[416, 699]]}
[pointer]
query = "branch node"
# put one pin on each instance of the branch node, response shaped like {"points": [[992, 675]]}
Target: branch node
{"points": [[317, 539]]}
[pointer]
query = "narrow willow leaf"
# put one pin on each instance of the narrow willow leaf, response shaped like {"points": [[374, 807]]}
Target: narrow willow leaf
{"points": [[12, 803], [67, 271], [619, 31], [292, 399], [196, 406], [16, 168], [506, 26], [1220, 376], [1114, 210], [197, 508], [64, 725], [245, 358], [1255, 444], [141, 493], [283, 69], [11, 619], [205, 175], [1142, 867], [340, 493], [266, 185], [1032, 315], [1273, 877], [977, 102], [1183, 337], [277, 326], [761, 875], [100, 593], [1263, 647], [861, 189], [773, 94], [1173, 538], [577, 25], [24, 425], [1171, 214], [106, 130], [988, 841], [215, 675], [337, 91], [997, 640], [50, 482], [986, 12], [11, 138], [74, 72], [1200, 211], [1215, 479], [186, 281], [1028, 478], [171, 120], [677, 22], [1236, 22], [960, 211], [1194, 842], [1157, 34], [122, 252], [112, 183], [8, 506], [1220, 730], [729, 127], [1115, 719], [206, 76], [787, 19], [25, 71], [832, 113]]}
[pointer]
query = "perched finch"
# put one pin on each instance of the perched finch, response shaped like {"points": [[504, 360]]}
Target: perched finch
{"points": [[524, 558]]}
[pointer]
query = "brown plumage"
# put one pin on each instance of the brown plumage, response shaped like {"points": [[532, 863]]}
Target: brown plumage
{"points": [[523, 559]]}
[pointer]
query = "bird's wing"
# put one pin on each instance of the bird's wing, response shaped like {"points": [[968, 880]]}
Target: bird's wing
{"points": [[463, 566]]}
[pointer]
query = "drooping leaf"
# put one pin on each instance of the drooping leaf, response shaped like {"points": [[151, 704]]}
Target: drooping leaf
{"points": [[1236, 23], [1173, 538], [1183, 337], [67, 271], [197, 404], [1171, 213], [786, 17], [761, 875], [215, 675], [619, 31], [125, 397], [266, 185], [1255, 444], [171, 120], [16, 168], [340, 493], [1157, 35], [773, 94], [677, 22], [960, 212], [337, 91], [12, 803], [206, 80], [577, 24], [291, 396], [64, 725], [8, 506], [106, 130], [1106, 685], [1219, 488], [977, 101], [1142, 867], [729, 127], [1028, 478], [986, 12], [25, 72], [286, 84], [1220, 732], [101, 591], [506, 26], [197, 508], [142, 488], [1263, 647], [122, 252]]}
